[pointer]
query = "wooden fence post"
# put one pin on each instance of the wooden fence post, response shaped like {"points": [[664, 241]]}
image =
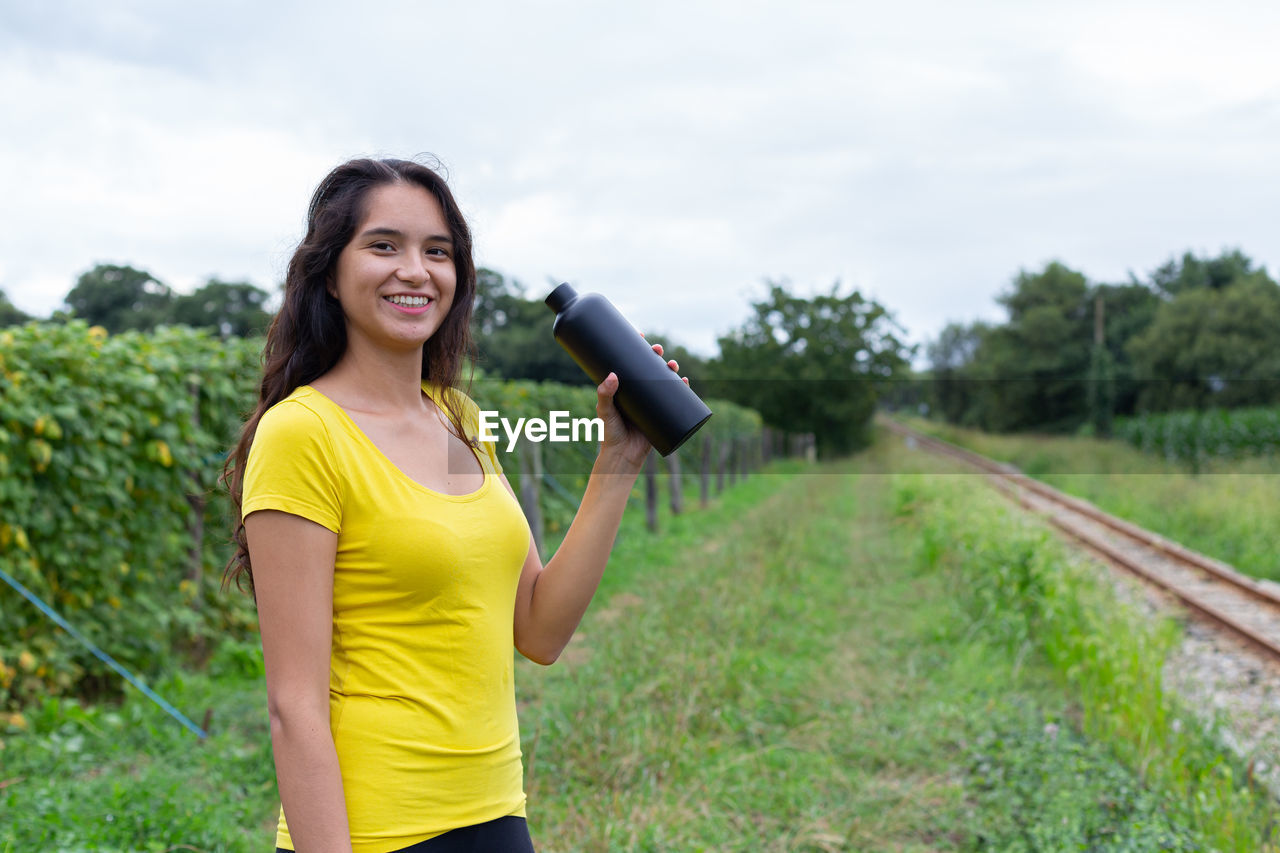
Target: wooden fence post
{"points": [[196, 500], [706, 471], [531, 488], [651, 492], [721, 456], [676, 483]]}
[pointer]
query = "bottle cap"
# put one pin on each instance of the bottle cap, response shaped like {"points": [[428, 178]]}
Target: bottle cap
{"points": [[561, 297]]}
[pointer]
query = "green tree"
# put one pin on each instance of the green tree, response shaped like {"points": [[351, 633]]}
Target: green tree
{"points": [[950, 389], [1212, 347], [10, 314], [514, 340], [1128, 309], [120, 298], [1030, 372], [513, 334], [1195, 273], [229, 308], [1101, 390], [812, 365], [692, 365]]}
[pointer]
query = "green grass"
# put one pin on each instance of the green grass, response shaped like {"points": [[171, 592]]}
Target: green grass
{"points": [[1225, 510], [1023, 590], [131, 778], [792, 668]]}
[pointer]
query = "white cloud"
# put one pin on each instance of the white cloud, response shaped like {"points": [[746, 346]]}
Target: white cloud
{"points": [[670, 154]]}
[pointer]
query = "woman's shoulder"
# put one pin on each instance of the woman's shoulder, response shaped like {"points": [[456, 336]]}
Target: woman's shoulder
{"points": [[293, 462], [302, 412]]}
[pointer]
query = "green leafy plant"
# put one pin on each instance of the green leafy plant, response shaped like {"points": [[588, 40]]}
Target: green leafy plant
{"points": [[1196, 437], [109, 455], [110, 451]]}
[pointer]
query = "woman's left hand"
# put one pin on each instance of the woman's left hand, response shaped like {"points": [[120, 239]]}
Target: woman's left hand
{"points": [[620, 437]]}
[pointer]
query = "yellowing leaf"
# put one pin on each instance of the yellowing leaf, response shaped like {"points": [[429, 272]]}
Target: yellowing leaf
{"points": [[41, 452], [162, 450], [26, 660]]}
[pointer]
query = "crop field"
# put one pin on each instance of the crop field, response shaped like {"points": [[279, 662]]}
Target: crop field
{"points": [[846, 656], [1200, 437]]}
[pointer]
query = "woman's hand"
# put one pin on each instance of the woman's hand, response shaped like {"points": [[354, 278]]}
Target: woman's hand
{"points": [[620, 437]]}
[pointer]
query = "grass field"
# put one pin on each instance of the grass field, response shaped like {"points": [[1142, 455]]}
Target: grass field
{"points": [[1226, 509], [805, 665]]}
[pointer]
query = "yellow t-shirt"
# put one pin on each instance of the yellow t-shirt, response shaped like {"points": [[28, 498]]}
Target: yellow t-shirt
{"points": [[421, 694]]}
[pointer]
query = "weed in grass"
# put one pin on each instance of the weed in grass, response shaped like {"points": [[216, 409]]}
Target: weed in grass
{"points": [[1043, 787]]}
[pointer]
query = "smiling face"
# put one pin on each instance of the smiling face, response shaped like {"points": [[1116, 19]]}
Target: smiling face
{"points": [[396, 277]]}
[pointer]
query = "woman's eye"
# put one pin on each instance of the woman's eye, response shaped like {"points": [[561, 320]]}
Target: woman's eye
{"points": [[436, 250], [383, 246]]}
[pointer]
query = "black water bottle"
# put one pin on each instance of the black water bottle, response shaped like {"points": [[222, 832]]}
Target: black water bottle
{"points": [[650, 394]]}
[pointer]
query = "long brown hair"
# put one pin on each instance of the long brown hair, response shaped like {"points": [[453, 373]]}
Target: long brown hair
{"points": [[309, 335]]}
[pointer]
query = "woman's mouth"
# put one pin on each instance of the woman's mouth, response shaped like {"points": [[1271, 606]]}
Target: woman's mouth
{"points": [[408, 301], [410, 304]]}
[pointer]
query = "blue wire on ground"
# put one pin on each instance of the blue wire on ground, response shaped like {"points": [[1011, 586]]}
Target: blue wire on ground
{"points": [[101, 655]]}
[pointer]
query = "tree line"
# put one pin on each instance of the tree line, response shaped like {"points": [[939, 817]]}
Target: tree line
{"points": [[806, 364], [1198, 332], [122, 298]]}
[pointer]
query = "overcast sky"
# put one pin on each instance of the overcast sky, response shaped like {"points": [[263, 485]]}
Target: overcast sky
{"points": [[671, 155]]}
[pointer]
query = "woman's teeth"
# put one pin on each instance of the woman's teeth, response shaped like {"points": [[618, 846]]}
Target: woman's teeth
{"points": [[409, 301]]}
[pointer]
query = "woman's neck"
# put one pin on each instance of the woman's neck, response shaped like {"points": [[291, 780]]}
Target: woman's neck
{"points": [[377, 380]]}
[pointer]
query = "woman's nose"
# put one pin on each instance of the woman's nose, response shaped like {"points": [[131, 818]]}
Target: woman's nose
{"points": [[414, 269]]}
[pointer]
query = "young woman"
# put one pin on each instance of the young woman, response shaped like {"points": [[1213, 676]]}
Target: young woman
{"points": [[391, 565]]}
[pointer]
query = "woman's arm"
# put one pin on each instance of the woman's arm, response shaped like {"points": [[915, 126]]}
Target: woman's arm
{"points": [[293, 562], [551, 600]]}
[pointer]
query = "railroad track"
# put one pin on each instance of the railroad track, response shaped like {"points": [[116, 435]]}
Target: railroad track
{"points": [[1216, 591]]}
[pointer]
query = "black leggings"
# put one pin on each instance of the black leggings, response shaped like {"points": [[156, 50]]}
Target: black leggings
{"points": [[504, 835]]}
